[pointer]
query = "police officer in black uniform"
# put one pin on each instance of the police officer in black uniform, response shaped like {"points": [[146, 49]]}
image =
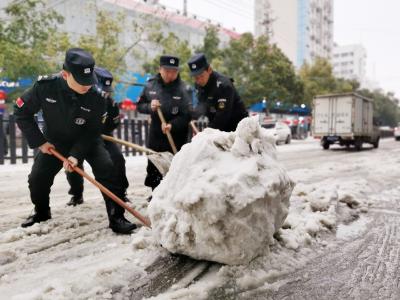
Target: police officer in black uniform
{"points": [[168, 91], [73, 110], [104, 84], [218, 99]]}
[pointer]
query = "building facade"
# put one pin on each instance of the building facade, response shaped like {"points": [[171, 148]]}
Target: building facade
{"points": [[349, 62], [302, 29], [82, 21]]}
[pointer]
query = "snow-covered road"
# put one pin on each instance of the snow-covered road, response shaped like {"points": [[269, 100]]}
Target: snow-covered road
{"points": [[341, 228]]}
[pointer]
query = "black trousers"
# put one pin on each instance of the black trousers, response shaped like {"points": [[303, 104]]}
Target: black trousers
{"points": [[153, 177], [5, 144], [45, 168], [118, 172]]}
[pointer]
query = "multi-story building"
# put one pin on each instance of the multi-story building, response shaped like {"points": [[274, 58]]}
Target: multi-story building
{"points": [[302, 29], [80, 20], [144, 13], [349, 62]]}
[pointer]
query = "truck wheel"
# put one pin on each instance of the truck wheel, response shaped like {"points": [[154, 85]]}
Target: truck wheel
{"points": [[325, 145], [358, 144], [376, 144]]}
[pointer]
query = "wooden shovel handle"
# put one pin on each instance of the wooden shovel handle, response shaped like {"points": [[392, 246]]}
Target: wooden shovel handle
{"points": [[194, 127], [126, 143], [102, 188], [169, 136]]}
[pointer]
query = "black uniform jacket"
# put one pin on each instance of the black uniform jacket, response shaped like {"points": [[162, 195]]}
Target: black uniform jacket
{"points": [[71, 120], [175, 105], [113, 117], [221, 103]]}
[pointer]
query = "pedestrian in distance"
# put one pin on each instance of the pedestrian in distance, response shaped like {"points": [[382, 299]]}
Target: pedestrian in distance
{"points": [[167, 91], [5, 143], [73, 112], [218, 99], [104, 84]]}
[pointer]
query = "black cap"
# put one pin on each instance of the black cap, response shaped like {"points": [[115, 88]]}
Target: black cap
{"points": [[81, 65], [197, 64], [104, 78], [169, 62]]}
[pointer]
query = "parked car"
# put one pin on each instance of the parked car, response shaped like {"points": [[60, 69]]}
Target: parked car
{"points": [[397, 132], [280, 131]]}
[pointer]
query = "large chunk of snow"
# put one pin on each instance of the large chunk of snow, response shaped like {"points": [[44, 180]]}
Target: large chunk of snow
{"points": [[224, 196]]}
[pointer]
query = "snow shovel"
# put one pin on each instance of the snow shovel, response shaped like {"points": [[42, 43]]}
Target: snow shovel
{"points": [[169, 136], [161, 160], [194, 127], [102, 188]]}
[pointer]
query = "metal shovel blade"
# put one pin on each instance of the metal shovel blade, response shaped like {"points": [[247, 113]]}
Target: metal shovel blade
{"points": [[161, 160]]}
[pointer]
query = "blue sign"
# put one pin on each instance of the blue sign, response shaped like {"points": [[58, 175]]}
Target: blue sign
{"points": [[8, 86], [130, 86]]}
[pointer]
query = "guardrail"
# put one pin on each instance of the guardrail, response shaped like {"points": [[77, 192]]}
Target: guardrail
{"points": [[14, 147]]}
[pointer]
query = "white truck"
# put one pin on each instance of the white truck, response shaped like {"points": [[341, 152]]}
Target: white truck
{"points": [[346, 119]]}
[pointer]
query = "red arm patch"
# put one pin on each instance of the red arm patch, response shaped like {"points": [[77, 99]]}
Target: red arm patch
{"points": [[19, 102]]}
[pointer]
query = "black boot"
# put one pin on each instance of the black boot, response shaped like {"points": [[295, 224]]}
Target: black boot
{"points": [[122, 225], [126, 199], [37, 217], [118, 223], [75, 200]]}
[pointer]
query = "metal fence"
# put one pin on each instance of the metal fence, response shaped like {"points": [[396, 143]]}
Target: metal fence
{"points": [[14, 146]]}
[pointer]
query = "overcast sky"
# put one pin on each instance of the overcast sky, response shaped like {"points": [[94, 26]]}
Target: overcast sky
{"points": [[376, 25], [373, 23]]}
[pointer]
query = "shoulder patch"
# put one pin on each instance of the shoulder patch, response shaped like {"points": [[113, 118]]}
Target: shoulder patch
{"points": [[42, 78], [19, 102], [99, 92], [104, 117]]}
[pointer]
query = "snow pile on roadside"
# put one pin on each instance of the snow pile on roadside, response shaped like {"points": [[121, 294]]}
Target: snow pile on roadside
{"points": [[316, 209], [224, 196], [318, 216]]}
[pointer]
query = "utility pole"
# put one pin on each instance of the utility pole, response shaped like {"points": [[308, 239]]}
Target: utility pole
{"points": [[185, 7]]}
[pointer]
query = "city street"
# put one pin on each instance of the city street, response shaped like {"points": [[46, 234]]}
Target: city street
{"points": [[232, 113], [348, 251], [357, 267]]}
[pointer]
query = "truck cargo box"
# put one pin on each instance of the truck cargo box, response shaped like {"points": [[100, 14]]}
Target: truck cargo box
{"points": [[343, 114], [343, 118]]}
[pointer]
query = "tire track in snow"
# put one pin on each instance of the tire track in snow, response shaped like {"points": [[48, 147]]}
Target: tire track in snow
{"points": [[366, 268], [166, 272]]}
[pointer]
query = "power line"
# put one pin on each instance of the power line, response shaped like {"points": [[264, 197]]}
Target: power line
{"points": [[246, 1], [217, 4], [229, 8], [236, 6], [198, 16], [246, 8]]}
